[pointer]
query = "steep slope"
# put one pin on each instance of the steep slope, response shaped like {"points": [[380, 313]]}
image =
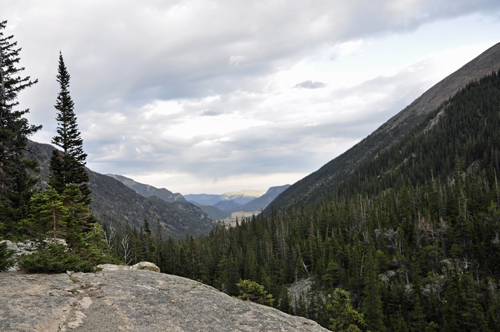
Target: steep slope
{"points": [[263, 201], [147, 190], [420, 221], [328, 177], [113, 203]]}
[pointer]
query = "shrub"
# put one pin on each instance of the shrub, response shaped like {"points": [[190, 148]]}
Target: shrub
{"points": [[55, 258], [250, 290]]}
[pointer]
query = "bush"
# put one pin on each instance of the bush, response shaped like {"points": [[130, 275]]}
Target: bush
{"points": [[250, 290], [55, 258]]}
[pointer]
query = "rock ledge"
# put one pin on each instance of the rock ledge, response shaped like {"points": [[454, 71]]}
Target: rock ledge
{"points": [[118, 299]]}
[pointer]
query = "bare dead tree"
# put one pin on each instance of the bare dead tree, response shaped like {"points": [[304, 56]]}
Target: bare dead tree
{"points": [[125, 250], [110, 236]]}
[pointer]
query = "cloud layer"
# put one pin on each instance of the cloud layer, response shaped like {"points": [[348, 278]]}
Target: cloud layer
{"points": [[211, 96]]}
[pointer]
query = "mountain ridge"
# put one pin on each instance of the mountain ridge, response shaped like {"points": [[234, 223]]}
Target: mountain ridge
{"points": [[147, 190], [115, 204], [260, 203], [329, 176]]}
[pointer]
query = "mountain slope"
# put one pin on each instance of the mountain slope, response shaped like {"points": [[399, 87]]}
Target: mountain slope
{"points": [[215, 213], [229, 205], [263, 201], [115, 204], [147, 190], [242, 197], [420, 222], [203, 199], [328, 177]]}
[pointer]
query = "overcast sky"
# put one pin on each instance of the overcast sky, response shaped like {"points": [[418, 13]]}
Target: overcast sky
{"points": [[215, 96]]}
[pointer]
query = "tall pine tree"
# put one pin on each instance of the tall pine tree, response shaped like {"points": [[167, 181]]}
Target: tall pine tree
{"points": [[68, 167], [16, 179]]}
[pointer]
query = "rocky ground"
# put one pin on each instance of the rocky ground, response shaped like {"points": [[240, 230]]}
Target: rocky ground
{"points": [[118, 299]]}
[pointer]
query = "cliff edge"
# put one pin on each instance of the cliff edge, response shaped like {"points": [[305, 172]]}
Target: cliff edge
{"points": [[118, 299]]}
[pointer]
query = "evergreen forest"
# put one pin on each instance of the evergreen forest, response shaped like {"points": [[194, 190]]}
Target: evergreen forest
{"points": [[409, 243]]}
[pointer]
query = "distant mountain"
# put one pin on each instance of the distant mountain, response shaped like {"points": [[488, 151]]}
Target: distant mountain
{"points": [[215, 213], [146, 190], [227, 205], [260, 203], [203, 199], [113, 203], [327, 178], [243, 196], [240, 197]]}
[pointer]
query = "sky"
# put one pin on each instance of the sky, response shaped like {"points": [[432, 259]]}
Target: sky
{"points": [[210, 96]]}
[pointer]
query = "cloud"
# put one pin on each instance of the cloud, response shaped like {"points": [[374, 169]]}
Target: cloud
{"points": [[211, 113], [201, 89], [310, 85], [235, 60]]}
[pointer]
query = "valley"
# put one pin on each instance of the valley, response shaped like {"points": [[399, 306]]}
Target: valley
{"points": [[398, 233]]}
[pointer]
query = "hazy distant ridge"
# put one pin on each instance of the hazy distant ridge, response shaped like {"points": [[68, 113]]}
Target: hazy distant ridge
{"points": [[147, 190]]}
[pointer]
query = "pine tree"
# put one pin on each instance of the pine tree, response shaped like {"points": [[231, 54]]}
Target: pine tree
{"points": [[68, 167], [16, 179], [373, 303], [344, 317], [6, 254], [62, 217]]}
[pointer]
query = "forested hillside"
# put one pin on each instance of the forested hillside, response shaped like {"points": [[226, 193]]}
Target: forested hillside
{"points": [[413, 236], [325, 180]]}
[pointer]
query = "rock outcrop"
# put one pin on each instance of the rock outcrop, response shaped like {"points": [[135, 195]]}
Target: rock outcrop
{"points": [[118, 299]]}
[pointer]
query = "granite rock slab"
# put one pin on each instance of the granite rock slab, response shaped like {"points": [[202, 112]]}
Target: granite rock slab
{"points": [[130, 300]]}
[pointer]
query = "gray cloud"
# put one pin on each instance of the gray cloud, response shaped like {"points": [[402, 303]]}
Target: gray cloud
{"points": [[210, 113], [310, 85], [216, 63]]}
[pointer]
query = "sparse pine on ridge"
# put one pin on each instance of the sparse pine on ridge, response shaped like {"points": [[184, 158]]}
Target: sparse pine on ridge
{"points": [[68, 166]]}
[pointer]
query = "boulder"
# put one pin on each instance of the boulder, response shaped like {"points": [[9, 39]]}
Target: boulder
{"points": [[146, 266]]}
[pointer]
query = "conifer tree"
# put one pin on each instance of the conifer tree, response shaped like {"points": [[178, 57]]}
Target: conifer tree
{"points": [[68, 167], [61, 217], [345, 318], [373, 303], [16, 180], [5, 257]]}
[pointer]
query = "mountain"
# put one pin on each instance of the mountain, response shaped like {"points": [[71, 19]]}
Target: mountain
{"points": [[115, 204], [240, 197], [215, 213], [227, 205], [243, 196], [415, 229], [327, 178], [146, 190], [203, 199], [263, 201]]}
